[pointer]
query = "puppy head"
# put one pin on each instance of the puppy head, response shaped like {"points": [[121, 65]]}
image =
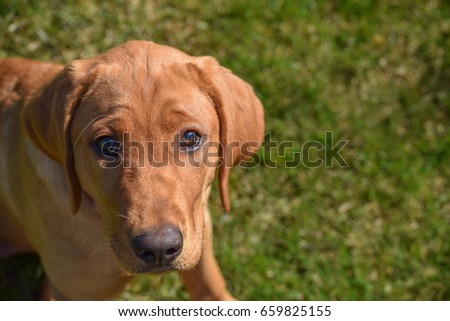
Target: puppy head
{"points": [[140, 131]]}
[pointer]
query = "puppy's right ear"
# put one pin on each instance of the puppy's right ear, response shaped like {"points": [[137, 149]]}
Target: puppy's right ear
{"points": [[48, 116]]}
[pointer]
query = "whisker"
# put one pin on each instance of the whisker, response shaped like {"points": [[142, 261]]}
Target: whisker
{"points": [[85, 127], [84, 241]]}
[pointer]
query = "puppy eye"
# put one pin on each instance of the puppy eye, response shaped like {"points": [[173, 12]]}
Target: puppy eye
{"points": [[108, 146], [190, 140]]}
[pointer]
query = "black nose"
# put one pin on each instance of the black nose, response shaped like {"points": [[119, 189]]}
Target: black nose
{"points": [[160, 245]]}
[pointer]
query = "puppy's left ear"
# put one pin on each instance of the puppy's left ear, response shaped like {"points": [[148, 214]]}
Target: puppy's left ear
{"points": [[241, 117], [48, 116]]}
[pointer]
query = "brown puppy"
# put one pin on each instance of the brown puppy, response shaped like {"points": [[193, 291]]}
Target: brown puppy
{"points": [[129, 142]]}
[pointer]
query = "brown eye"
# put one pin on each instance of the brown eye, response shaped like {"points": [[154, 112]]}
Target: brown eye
{"points": [[190, 140]]}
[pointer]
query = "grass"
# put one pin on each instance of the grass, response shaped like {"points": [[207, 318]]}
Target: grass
{"points": [[375, 73]]}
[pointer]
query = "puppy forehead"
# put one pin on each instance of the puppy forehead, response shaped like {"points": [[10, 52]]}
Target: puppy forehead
{"points": [[149, 100]]}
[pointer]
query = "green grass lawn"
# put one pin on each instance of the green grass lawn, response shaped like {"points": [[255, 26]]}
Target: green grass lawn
{"points": [[375, 73]]}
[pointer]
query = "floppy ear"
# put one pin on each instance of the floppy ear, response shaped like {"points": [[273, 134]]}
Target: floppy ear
{"points": [[47, 119], [241, 117]]}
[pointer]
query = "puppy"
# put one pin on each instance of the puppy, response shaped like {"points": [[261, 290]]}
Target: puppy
{"points": [[107, 164]]}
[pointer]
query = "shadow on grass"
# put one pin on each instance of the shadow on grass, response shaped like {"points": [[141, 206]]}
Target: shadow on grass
{"points": [[21, 278]]}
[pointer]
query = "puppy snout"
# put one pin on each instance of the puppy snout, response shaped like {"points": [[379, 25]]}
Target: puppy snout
{"points": [[159, 245]]}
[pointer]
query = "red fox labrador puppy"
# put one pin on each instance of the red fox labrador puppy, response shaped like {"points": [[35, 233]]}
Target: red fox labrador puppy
{"points": [[106, 165]]}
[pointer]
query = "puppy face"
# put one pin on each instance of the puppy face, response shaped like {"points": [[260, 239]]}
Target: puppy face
{"points": [[163, 136], [140, 131]]}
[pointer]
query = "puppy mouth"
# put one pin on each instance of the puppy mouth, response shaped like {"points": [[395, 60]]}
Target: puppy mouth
{"points": [[152, 269], [136, 267]]}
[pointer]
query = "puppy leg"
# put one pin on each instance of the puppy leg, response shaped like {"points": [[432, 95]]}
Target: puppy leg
{"points": [[205, 281]]}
